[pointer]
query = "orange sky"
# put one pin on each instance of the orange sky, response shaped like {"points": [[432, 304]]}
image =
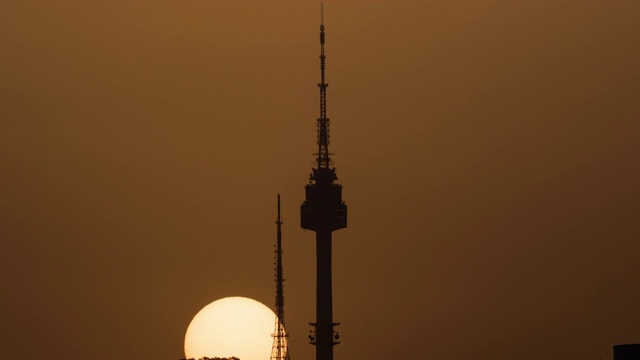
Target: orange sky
{"points": [[488, 151]]}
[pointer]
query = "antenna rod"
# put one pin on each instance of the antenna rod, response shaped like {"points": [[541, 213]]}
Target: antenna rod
{"points": [[278, 222]]}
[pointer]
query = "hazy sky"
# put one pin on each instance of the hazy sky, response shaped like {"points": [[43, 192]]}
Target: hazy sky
{"points": [[488, 150]]}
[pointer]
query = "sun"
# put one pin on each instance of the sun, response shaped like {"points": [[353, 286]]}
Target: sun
{"points": [[232, 326]]}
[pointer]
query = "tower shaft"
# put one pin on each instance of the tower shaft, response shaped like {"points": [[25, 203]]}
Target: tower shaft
{"points": [[324, 337], [323, 211]]}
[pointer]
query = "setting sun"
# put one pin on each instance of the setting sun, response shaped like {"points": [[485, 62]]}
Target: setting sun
{"points": [[232, 326]]}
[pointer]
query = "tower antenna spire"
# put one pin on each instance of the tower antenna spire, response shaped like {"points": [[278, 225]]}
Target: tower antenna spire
{"points": [[280, 347], [323, 161]]}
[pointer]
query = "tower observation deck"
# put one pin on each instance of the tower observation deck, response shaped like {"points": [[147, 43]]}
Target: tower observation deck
{"points": [[323, 212]]}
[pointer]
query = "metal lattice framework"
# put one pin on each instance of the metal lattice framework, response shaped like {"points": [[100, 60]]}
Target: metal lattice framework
{"points": [[323, 161], [280, 348]]}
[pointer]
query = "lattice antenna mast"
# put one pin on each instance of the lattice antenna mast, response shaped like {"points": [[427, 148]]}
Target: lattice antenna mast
{"points": [[323, 160], [280, 348]]}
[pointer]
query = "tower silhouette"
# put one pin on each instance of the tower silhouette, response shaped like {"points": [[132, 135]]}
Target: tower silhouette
{"points": [[280, 347], [323, 211]]}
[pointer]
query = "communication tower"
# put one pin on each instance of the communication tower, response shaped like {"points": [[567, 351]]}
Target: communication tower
{"points": [[280, 348], [323, 211]]}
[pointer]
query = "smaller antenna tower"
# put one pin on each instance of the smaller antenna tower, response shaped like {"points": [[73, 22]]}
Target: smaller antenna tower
{"points": [[280, 348]]}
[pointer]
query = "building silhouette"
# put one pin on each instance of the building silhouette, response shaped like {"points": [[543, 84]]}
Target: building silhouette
{"points": [[323, 211], [626, 352]]}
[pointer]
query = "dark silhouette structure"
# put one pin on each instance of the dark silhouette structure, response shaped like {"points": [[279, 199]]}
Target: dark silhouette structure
{"points": [[323, 211], [280, 348], [626, 352]]}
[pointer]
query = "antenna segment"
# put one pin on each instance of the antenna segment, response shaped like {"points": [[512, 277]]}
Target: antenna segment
{"points": [[323, 161], [280, 347]]}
